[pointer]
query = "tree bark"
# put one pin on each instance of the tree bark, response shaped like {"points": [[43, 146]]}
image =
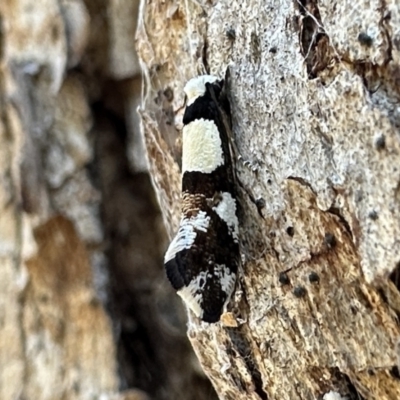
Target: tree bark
{"points": [[314, 94], [85, 310]]}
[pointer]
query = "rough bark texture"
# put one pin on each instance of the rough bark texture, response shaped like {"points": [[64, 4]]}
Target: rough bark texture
{"points": [[314, 92], [85, 310]]}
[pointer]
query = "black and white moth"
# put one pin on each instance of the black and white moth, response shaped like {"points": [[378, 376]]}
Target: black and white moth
{"points": [[202, 259]]}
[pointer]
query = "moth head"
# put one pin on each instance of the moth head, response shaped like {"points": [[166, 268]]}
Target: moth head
{"points": [[196, 87]]}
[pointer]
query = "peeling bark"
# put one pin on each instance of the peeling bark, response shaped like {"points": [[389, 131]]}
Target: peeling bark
{"points": [[314, 97]]}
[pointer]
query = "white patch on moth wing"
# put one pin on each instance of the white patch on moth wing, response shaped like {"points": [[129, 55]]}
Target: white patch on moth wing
{"points": [[201, 147], [226, 278], [186, 234], [196, 87], [334, 396], [192, 294], [201, 221], [226, 210], [184, 239]]}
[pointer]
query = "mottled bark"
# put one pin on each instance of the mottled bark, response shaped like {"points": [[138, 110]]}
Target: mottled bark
{"points": [[314, 93], [85, 310]]}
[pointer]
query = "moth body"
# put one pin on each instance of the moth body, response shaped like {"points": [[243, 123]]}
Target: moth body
{"points": [[202, 259]]}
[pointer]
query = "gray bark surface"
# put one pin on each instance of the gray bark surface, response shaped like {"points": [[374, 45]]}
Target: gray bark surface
{"points": [[314, 93]]}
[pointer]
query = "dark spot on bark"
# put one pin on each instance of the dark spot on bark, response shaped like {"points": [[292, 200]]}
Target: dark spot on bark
{"points": [[299, 291], [313, 277], [283, 278], [329, 240], [380, 143], [365, 39], [169, 94], [387, 16], [394, 371], [155, 68], [290, 231], [231, 33], [260, 202], [273, 50], [373, 215], [370, 372]]}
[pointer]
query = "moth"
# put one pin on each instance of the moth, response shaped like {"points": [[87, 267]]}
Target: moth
{"points": [[202, 259]]}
